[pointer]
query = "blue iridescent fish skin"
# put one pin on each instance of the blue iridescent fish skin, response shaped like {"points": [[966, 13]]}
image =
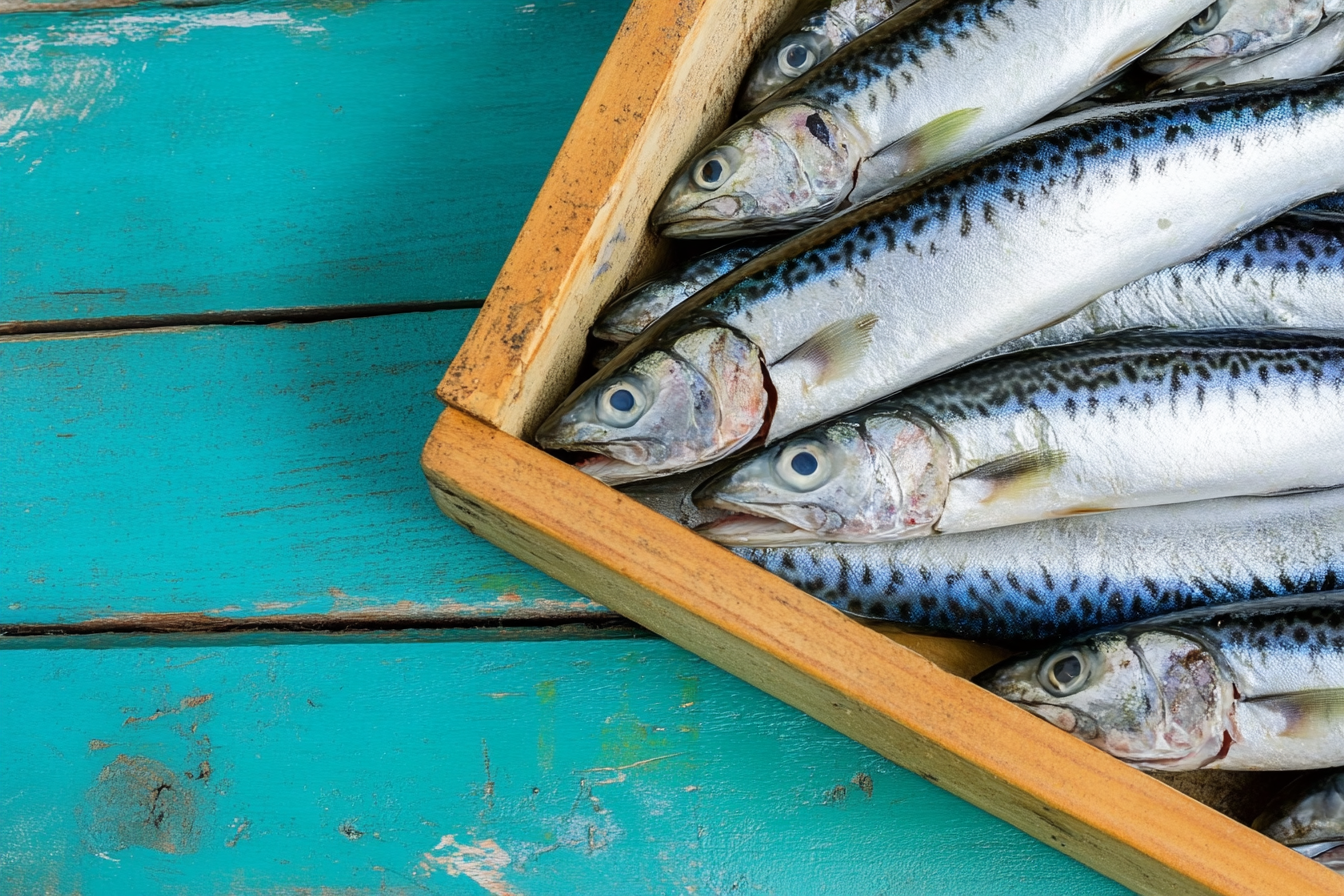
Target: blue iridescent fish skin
{"points": [[1040, 582], [909, 286], [1020, 178]]}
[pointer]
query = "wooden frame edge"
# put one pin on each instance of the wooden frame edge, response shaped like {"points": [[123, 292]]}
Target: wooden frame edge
{"points": [[587, 232], [1065, 793]]}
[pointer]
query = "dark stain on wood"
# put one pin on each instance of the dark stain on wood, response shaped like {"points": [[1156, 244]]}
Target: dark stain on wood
{"points": [[138, 801]]}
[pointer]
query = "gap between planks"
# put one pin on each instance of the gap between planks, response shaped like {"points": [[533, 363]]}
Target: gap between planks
{"points": [[961, 658], [305, 314]]}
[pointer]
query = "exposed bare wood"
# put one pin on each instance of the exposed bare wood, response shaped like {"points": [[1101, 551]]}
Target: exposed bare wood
{"points": [[665, 87], [1119, 821]]}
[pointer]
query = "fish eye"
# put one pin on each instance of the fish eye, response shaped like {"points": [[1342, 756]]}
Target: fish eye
{"points": [[1065, 672], [621, 403], [711, 170], [795, 59], [1206, 20], [802, 466]]}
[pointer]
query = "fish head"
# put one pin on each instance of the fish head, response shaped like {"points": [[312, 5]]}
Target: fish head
{"points": [[1308, 811], [681, 404], [1232, 28], [1156, 700], [782, 61], [872, 480], [633, 313], [783, 167]]}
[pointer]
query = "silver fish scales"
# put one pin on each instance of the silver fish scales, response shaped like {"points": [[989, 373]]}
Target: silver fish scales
{"points": [[934, 84], [909, 286], [1289, 273], [1040, 582], [1134, 419], [1308, 816], [1245, 687], [816, 31]]}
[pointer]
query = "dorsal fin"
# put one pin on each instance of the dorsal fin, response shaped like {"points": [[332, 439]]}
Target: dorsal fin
{"points": [[835, 350]]}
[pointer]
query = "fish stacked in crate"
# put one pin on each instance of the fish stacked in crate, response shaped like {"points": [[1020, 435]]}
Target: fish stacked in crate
{"points": [[1067, 382]]}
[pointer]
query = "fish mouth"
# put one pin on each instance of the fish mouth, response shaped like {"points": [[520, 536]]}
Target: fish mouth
{"points": [[617, 333], [1174, 66], [715, 217], [610, 471], [748, 530]]}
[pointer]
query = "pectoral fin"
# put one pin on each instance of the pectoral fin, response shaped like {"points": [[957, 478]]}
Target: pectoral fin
{"points": [[835, 350], [1307, 713], [921, 150], [1108, 71], [1025, 465]]}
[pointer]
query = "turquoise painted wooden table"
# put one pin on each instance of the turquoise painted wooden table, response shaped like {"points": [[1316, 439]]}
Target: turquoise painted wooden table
{"points": [[242, 651]]}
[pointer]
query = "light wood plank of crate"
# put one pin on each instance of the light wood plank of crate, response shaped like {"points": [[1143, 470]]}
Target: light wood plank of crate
{"points": [[665, 87], [1117, 820]]}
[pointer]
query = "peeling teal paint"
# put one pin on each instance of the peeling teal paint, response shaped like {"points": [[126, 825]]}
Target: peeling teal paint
{"points": [[240, 471], [168, 160], [419, 768]]}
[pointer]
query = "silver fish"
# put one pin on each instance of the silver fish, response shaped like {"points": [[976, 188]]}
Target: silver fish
{"points": [[1289, 273], [1327, 208], [925, 89], [1309, 817], [810, 37], [1041, 582], [1236, 30], [1257, 686], [1313, 55], [906, 287], [1130, 420], [635, 311]]}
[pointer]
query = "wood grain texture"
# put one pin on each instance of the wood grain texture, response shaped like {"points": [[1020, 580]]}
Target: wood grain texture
{"points": [[229, 472], [664, 89], [278, 154], [452, 768], [1024, 770]]}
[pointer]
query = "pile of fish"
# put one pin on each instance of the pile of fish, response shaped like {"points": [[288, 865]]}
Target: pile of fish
{"points": [[1029, 329]]}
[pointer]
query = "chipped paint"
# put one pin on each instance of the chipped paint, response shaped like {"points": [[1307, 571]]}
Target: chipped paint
{"points": [[482, 861], [60, 75], [138, 801], [186, 703]]}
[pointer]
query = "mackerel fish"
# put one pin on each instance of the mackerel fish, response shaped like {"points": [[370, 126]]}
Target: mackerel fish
{"points": [[1289, 273], [1040, 582], [1135, 419], [1313, 55], [1248, 687], [1231, 31], [812, 36], [908, 286], [927, 88], [1327, 208], [632, 313], [1308, 816]]}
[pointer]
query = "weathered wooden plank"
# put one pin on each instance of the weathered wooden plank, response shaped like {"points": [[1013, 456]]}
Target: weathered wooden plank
{"points": [[457, 768], [991, 753], [177, 161], [663, 90], [240, 471]]}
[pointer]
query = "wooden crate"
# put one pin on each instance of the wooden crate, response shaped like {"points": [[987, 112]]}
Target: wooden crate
{"points": [[665, 88]]}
